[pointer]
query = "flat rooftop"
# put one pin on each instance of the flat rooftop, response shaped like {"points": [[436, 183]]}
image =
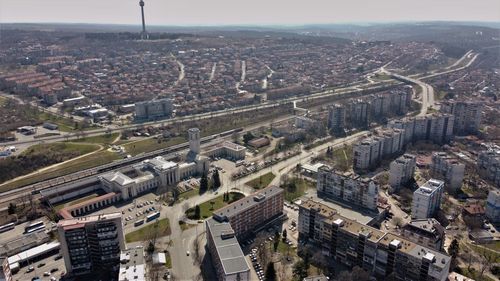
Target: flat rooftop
{"points": [[80, 221], [362, 216], [247, 202], [227, 247], [132, 264]]}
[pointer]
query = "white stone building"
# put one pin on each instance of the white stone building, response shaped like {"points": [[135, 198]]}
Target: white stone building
{"points": [[347, 187], [449, 169], [427, 199], [401, 171]]}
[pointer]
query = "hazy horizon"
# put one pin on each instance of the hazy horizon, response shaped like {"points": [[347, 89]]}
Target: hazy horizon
{"points": [[254, 13]]}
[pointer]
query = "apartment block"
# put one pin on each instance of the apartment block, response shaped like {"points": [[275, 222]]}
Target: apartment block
{"points": [[449, 169], [367, 153], [337, 118], [154, 109], [227, 257], [380, 253], [427, 199], [493, 206], [347, 187], [467, 115], [252, 211], [488, 164], [437, 128], [401, 171], [358, 112], [5, 272], [427, 232], [393, 140], [91, 243]]}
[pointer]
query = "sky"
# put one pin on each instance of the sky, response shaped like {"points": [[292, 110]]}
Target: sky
{"points": [[246, 12]]}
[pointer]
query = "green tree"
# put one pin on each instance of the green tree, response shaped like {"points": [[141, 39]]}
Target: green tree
{"points": [[284, 235], [247, 137], [197, 212], [12, 208], [300, 269], [270, 272], [203, 184], [216, 179], [276, 241]]}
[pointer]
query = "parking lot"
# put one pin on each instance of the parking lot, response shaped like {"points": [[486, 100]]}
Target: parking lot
{"points": [[46, 269], [136, 210]]}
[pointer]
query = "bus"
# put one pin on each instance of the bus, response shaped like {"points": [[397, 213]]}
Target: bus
{"points": [[152, 216], [6, 227], [139, 222], [34, 227]]}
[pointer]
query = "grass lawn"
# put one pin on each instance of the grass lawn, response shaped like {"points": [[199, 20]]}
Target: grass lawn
{"points": [[168, 260], [101, 139], [85, 162], [262, 181], [150, 144], [62, 147], [206, 208], [145, 233], [495, 246], [188, 194], [474, 274], [488, 251], [296, 188], [65, 124]]}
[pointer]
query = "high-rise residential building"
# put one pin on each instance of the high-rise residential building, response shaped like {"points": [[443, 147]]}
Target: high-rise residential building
{"points": [[358, 113], [370, 151], [467, 115], [380, 253], [132, 265], [227, 257], [154, 109], [5, 273], [337, 118], [449, 169], [427, 199], [393, 140], [401, 171], [437, 128], [367, 153], [493, 206], [92, 243], [347, 187], [249, 212], [427, 232], [488, 164]]}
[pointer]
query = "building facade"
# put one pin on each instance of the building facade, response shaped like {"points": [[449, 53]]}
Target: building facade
{"points": [[467, 115], [252, 211], [337, 119], [347, 187], [401, 171], [488, 164], [91, 243], [154, 109], [493, 206], [449, 169], [427, 199], [427, 232], [379, 253], [5, 273], [367, 153]]}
